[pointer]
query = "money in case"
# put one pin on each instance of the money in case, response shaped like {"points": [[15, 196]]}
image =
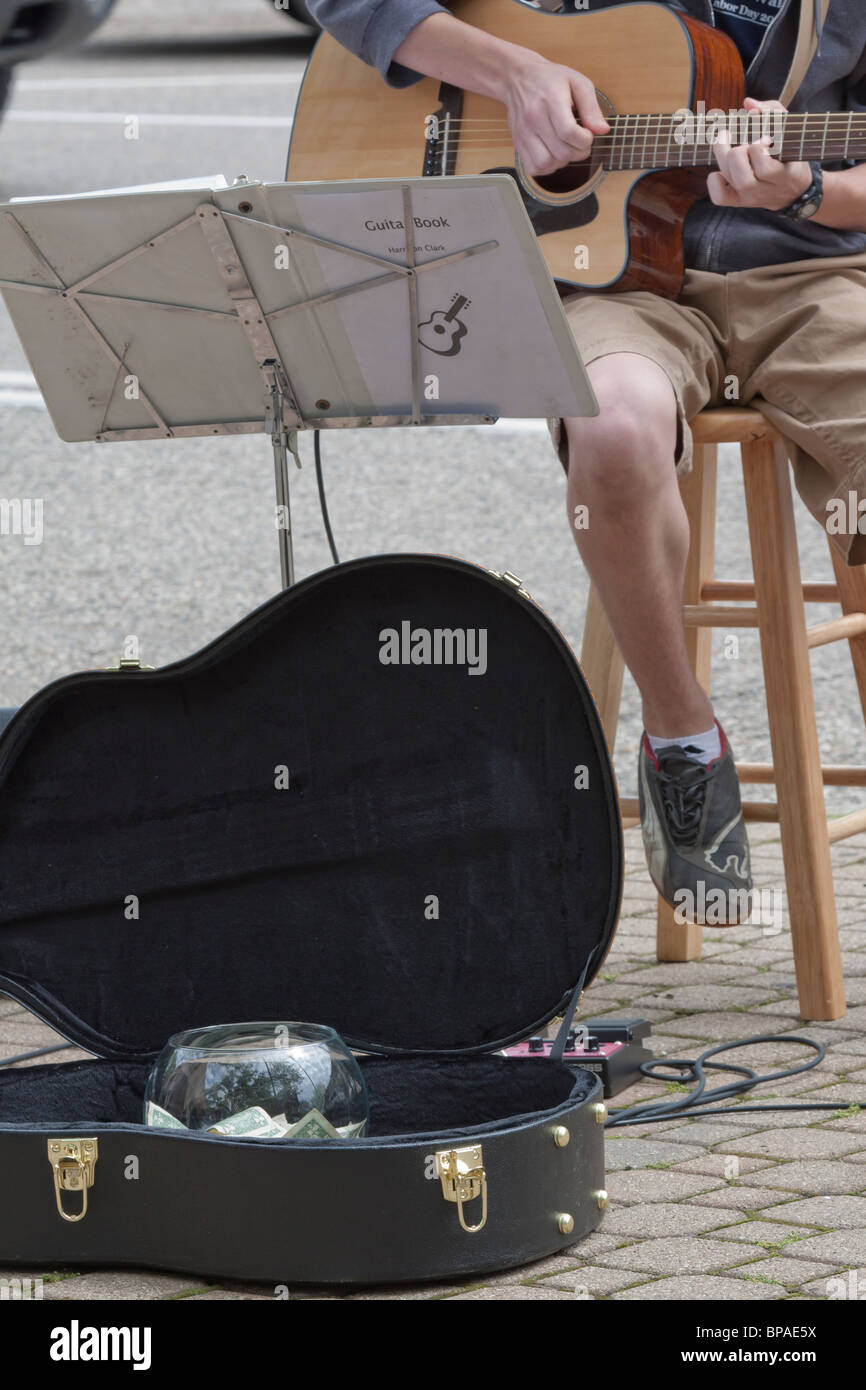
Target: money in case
{"points": [[383, 802]]}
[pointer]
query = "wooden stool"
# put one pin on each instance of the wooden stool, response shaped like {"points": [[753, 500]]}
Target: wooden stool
{"points": [[775, 604]]}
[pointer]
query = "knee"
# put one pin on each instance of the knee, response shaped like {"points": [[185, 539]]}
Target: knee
{"points": [[627, 448]]}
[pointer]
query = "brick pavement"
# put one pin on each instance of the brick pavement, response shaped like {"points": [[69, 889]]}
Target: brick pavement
{"points": [[759, 1207]]}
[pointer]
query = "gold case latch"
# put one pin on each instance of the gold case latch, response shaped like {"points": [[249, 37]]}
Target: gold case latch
{"points": [[73, 1161], [463, 1179]]}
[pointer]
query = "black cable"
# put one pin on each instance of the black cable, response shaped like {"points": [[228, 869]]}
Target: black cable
{"points": [[317, 452], [699, 1098], [39, 1052]]}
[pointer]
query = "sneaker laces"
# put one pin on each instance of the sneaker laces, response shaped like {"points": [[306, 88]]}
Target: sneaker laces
{"points": [[683, 784]]}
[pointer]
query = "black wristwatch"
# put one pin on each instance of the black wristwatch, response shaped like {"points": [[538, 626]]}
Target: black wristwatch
{"points": [[809, 202]]}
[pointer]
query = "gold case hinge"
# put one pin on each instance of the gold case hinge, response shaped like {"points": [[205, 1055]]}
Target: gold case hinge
{"points": [[463, 1179], [73, 1161], [129, 663], [512, 581]]}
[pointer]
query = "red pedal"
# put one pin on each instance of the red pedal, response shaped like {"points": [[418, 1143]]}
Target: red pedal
{"points": [[611, 1047]]}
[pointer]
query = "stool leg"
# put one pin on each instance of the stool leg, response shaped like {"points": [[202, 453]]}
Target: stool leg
{"points": [[793, 732], [851, 583], [602, 665], [682, 940]]}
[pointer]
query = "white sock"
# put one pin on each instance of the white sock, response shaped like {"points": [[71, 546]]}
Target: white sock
{"points": [[701, 747]]}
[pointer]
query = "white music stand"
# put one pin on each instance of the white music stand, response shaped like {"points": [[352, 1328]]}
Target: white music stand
{"points": [[200, 308]]}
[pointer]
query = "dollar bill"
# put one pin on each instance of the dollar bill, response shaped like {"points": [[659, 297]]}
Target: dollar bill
{"points": [[313, 1125], [254, 1123], [160, 1119], [352, 1131]]}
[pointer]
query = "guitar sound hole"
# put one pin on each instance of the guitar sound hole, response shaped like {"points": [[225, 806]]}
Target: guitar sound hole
{"points": [[568, 180]]}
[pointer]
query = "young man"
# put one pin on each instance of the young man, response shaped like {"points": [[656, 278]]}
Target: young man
{"points": [[775, 294]]}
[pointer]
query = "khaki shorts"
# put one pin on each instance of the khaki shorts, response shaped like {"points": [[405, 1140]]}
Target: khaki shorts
{"points": [[788, 339]]}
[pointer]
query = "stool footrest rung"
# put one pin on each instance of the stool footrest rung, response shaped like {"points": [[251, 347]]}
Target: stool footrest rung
{"points": [[837, 630], [832, 775], [716, 615], [734, 591], [765, 811], [844, 826]]}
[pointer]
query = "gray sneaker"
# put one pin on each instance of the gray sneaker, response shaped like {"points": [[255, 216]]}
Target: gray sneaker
{"points": [[694, 834]]}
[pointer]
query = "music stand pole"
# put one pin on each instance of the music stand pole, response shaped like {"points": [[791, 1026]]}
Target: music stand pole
{"points": [[283, 441]]}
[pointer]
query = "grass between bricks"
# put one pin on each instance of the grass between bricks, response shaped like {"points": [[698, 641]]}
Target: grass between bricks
{"points": [[192, 1293]]}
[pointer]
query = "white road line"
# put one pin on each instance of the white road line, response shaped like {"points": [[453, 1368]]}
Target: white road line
{"points": [[18, 391], [21, 400], [180, 80], [12, 378], [156, 118]]}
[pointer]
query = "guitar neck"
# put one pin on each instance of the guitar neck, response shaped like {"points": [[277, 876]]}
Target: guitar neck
{"points": [[650, 141]]}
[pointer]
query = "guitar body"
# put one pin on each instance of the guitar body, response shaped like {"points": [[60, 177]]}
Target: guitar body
{"points": [[600, 229]]}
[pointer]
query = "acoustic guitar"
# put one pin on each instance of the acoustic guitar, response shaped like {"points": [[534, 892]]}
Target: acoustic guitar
{"points": [[609, 223]]}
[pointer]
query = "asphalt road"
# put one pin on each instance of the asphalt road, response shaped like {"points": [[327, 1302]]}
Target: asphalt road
{"points": [[174, 541]]}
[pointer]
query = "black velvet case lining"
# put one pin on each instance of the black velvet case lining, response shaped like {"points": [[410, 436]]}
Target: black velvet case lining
{"points": [[431, 880], [407, 1096]]}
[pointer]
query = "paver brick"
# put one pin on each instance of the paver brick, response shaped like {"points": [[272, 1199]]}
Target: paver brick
{"points": [[763, 1232], [701, 1288], [679, 1253], [815, 1177], [783, 1269], [122, 1284], [593, 1280], [802, 1143], [841, 1212], [666, 1219], [658, 1185], [838, 1248]]}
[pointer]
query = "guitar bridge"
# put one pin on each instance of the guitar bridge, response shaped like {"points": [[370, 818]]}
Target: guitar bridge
{"points": [[441, 136]]}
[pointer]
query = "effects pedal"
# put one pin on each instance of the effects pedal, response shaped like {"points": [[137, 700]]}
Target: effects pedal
{"points": [[609, 1046]]}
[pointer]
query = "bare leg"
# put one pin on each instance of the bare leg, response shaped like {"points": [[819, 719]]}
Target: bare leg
{"points": [[621, 468]]}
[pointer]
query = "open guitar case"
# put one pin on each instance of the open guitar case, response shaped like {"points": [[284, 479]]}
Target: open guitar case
{"points": [[440, 878]]}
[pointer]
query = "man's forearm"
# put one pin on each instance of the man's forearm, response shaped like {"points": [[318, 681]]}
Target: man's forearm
{"points": [[844, 205], [444, 47]]}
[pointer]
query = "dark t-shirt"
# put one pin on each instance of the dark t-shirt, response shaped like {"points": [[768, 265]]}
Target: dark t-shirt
{"points": [[746, 22]]}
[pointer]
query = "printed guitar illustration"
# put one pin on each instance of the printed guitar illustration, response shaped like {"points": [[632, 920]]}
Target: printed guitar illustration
{"points": [[444, 332]]}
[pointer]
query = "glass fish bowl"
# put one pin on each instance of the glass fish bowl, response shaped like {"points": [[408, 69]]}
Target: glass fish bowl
{"points": [[259, 1081]]}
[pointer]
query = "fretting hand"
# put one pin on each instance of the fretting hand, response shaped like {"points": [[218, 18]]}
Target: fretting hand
{"points": [[750, 177]]}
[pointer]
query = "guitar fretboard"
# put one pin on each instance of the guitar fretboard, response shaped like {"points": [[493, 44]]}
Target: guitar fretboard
{"points": [[650, 141]]}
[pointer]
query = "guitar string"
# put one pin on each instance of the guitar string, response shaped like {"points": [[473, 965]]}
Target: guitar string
{"points": [[834, 147], [832, 127], [829, 136], [822, 129], [829, 148], [803, 117]]}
